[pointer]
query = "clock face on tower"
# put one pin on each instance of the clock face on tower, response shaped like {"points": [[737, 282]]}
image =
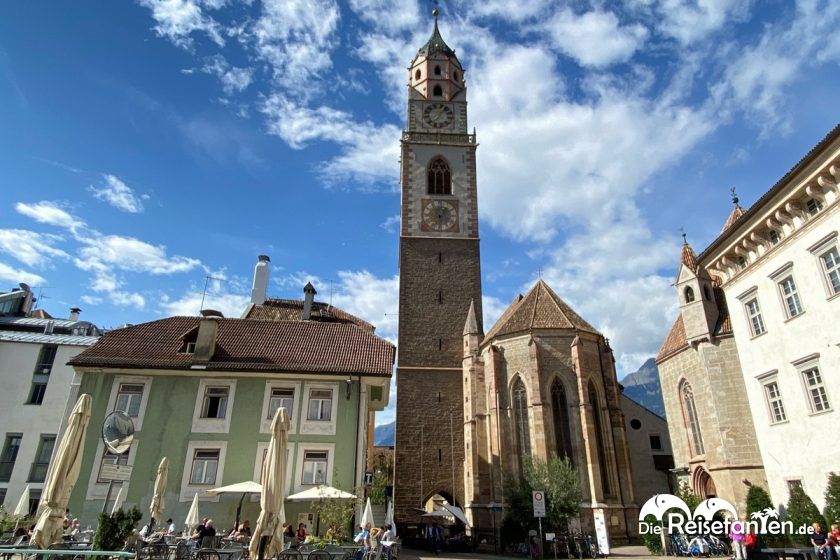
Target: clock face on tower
{"points": [[438, 115], [440, 215]]}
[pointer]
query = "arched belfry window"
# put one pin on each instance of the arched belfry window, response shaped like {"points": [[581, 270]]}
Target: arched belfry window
{"points": [[437, 70], [560, 411], [689, 294], [520, 419], [599, 437], [692, 423], [417, 74], [437, 91], [440, 179]]}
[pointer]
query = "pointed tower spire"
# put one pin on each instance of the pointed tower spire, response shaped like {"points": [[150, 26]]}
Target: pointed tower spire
{"points": [[688, 257], [471, 326], [736, 213], [436, 44]]}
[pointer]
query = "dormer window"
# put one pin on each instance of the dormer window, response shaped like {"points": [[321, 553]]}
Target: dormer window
{"points": [[437, 91], [437, 70], [689, 294], [813, 205], [189, 348]]}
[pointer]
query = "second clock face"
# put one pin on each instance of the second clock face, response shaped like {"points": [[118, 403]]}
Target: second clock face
{"points": [[440, 215], [438, 115]]}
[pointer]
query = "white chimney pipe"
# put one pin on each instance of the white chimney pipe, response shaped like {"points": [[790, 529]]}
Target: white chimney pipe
{"points": [[260, 280], [74, 313]]}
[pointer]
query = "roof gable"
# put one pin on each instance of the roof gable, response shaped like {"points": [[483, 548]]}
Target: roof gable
{"points": [[541, 308]]}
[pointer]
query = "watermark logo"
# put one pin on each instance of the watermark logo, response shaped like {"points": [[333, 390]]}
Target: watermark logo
{"points": [[674, 516]]}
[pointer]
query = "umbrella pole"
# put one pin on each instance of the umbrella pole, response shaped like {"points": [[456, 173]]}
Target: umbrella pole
{"points": [[239, 511], [261, 549]]}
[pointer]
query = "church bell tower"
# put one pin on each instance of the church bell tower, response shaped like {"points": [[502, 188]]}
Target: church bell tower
{"points": [[440, 275]]}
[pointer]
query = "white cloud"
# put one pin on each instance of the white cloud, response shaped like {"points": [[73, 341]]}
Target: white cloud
{"points": [[132, 254], [16, 275], [369, 153], [91, 300], [515, 11], [119, 195], [50, 213], [29, 247], [383, 13], [595, 38], [189, 304], [126, 299], [391, 224], [234, 79], [296, 37], [690, 21], [492, 308], [374, 299], [177, 20]]}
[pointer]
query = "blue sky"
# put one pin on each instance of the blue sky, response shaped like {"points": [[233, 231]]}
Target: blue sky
{"points": [[145, 145]]}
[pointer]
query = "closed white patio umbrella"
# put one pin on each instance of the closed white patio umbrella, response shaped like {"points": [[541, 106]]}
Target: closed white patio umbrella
{"points": [[389, 518], [367, 516], [118, 501], [157, 505], [62, 476], [192, 515], [272, 515], [22, 507]]}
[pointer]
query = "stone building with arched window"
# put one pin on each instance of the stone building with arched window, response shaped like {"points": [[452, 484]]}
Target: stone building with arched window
{"points": [[542, 383]]}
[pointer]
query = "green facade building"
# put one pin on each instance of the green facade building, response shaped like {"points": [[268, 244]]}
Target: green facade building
{"points": [[202, 392]]}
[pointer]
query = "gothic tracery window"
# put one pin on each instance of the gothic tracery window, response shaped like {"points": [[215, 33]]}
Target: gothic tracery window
{"points": [[440, 179], [520, 419], [560, 410], [692, 423]]}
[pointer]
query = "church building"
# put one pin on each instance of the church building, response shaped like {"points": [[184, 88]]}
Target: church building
{"points": [[470, 407]]}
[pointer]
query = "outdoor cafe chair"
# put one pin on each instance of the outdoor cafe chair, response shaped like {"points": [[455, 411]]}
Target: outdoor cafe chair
{"points": [[208, 554], [208, 542], [290, 554], [319, 555]]}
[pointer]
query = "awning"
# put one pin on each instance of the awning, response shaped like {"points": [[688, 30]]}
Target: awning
{"points": [[322, 492], [247, 487]]}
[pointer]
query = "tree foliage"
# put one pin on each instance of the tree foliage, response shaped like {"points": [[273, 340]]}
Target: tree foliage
{"points": [[114, 529], [335, 514], [757, 500], [801, 510], [559, 481], [832, 499], [378, 490]]}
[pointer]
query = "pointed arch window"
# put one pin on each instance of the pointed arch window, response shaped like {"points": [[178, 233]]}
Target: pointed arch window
{"points": [[692, 424], [689, 294], [437, 91], [599, 437], [520, 419], [440, 178], [560, 410]]}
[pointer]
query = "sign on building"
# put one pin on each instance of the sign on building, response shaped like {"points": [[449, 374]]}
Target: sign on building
{"points": [[368, 478], [539, 503], [115, 472]]}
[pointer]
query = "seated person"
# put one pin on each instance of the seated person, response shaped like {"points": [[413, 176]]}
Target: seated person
{"points": [[242, 533], [202, 531]]}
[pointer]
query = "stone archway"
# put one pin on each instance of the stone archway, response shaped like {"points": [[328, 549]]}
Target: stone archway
{"points": [[702, 484]]}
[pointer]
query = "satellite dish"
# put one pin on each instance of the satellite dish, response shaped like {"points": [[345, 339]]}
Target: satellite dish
{"points": [[118, 432]]}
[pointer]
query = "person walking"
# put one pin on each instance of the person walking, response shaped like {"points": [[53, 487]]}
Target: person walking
{"points": [[736, 535]]}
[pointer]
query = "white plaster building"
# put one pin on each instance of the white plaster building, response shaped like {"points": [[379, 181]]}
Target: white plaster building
{"points": [[779, 266], [37, 384]]}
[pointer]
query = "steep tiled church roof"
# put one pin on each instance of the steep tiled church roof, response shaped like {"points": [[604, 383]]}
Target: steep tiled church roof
{"points": [[541, 308], [436, 44]]}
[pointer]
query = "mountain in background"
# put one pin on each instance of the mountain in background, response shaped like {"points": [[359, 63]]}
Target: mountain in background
{"points": [[643, 387], [384, 434]]}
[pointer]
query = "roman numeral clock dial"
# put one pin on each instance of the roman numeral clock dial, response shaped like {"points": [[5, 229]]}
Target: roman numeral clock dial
{"points": [[438, 115]]}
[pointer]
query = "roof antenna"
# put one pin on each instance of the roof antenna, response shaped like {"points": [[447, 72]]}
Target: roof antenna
{"points": [[204, 293], [331, 294]]}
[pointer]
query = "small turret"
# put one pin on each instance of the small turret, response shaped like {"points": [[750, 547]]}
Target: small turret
{"points": [[472, 332], [697, 297]]}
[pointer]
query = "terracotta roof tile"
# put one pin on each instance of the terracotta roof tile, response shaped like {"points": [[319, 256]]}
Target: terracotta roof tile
{"points": [[734, 216], [246, 345], [292, 309], [541, 308], [688, 258]]}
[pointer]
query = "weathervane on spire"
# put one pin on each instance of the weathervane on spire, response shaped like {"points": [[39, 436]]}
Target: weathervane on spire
{"points": [[682, 231], [435, 11], [734, 196]]}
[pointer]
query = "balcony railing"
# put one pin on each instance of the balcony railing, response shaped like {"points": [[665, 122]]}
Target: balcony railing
{"points": [[6, 470], [437, 137], [38, 473]]}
